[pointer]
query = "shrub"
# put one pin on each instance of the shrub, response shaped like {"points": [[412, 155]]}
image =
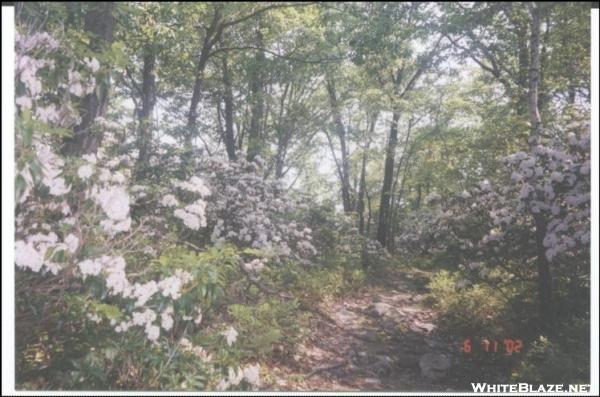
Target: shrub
{"points": [[269, 325], [469, 310]]}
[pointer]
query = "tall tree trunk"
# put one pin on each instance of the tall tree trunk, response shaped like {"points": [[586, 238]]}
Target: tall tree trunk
{"points": [[99, 23], [148, 103], [534, 76], [369, 212], [212, 36], [395, 196], [546, 309], [360, 207], [522, 78], [417, 204], [228, 99], [388, 175], [282, 131], [341, 133], [257, 98]]}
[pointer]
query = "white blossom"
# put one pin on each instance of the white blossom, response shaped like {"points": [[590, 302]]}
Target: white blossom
{"points": [[85, 171], [72, 242], [144, 318], [143, 292], [169, 201], [152, 332], [94, 317], [26, 256], [24, 102], [90, 158], [92, 63], [252, 374], [230, 335], [255, 265], [90, 267], [190, 220], [114, 202], [235, 376], [170, 286], [167, 318], [112, 227], [198, 318]]}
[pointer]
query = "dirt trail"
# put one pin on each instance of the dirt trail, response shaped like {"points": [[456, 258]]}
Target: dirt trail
{"points": [[385, 339]]}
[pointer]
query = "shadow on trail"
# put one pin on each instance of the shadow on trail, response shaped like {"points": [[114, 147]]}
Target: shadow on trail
{"points": [[383, 338]]}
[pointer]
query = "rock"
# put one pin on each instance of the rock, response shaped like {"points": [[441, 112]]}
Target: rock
{"points": [[407, 361], [361, 358], [419, 326], [367, 335], [384, 365], [344, 316], [372, 381], [435, 365], [435, 344], [380, 309]]}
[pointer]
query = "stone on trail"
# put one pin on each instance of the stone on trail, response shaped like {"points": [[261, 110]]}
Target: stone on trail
{"points": [[383, 366], [380, 309], [428, 327], [373, 381], [407, 360], [435, 365]]}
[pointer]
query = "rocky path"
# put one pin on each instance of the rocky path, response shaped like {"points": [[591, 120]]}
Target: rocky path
{"points": [[384, 338]]}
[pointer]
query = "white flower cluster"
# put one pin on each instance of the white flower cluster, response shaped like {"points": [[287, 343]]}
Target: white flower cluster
{"points": [[195, 185], [166, 318], [146, 319], [38, 40], [114, 201], [31, 252], [255, 266], [187, 346], [561, 194], [171, 286], [52, 168], [94, 317], [113, 268], [193, 215], [27, 69], [92, 64], [198, 318], [230, 335], [144, 292], [250, 374], [80, 85], [85, 171], [247, 209], [169, 201]]}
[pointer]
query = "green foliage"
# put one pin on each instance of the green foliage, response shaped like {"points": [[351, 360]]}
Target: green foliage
{"points": [[546, 362], [272, 324], [312, 285], [471, 310]]}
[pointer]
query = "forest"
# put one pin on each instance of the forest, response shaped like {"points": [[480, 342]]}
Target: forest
{"points": [[301, 196]]}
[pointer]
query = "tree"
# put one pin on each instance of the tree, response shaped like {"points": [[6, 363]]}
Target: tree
{"points": [[99, 23]]}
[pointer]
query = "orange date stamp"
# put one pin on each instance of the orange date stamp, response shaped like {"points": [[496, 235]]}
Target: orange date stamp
{"points": [[506, 346]]}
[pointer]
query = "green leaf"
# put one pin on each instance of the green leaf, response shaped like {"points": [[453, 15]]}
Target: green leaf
{"points": [[109, 311], [20, 186]]}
